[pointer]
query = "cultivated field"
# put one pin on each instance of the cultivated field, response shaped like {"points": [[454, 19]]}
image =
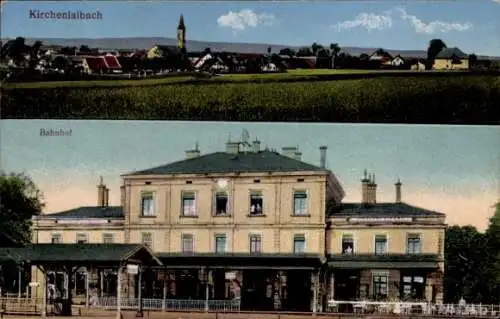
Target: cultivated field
{"points": [[412, 99]]}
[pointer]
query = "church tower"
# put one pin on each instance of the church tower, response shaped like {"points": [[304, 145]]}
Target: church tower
{"points": [[181, 35]]}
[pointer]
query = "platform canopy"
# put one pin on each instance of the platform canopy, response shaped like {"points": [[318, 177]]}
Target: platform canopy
{"points": [[79, 254]]}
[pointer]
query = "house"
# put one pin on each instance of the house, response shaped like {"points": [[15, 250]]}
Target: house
{"points": [[451, 59], [384, 251], [381, 56], [101, 64], [260, 227], [270, 67], [160, 51], [417, 65], [398, 61]]}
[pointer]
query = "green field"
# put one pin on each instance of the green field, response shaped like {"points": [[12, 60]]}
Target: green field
{"points": [[450, 99], [291, 74]]}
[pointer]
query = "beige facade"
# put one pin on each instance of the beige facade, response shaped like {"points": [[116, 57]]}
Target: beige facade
{"points": [[290, 209], [451, 64], [277, 224]]}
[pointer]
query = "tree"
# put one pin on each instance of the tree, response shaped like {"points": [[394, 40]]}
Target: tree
{"points": [[305, 51], [334, 50], [435, 46], [472, 61], [84, 48], [21, 200], [287, 51], [492, 263], [464, 258]]}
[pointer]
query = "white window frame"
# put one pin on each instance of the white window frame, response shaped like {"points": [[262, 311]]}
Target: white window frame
{"points": [[375, 244], [303, 237], [419, 235], [108, 235], [226, 240], [151, 238], [381, 274], [254, 192], [214, 206], [261, 246], [306, 211], [152, 211], [192, 243], [79, 236], [354, 245], [56, 235], [191, 213]]}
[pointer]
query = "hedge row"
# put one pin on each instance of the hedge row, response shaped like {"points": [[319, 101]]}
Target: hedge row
{"points": [[454, 99]]}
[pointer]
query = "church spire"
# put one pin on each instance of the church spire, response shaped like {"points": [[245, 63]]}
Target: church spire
{"points": [[181, 23]]}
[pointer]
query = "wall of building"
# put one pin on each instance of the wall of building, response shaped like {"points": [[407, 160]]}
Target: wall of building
{"points": [[44, 230], [446, 64], [364, 238], [277, 226]]}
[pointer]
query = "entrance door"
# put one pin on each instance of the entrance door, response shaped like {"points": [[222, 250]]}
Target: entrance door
{"points": [[299, 292], [254, 290]]}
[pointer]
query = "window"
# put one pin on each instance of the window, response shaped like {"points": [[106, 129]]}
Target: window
{"points": [[300, 203], [107, 238], [56, 239], [81, 238], [188, 204], [256, 203], [221, 203], [187, 243], [413, 245], [220, 243], [380, 244], [147, 204], [413, 287], [347, 244], [299, 244], [380, 287], [147, 239], [255, 244]]}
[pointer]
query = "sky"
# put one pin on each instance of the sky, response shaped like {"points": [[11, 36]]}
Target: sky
{"points": [[471, 25], [451, 169]]}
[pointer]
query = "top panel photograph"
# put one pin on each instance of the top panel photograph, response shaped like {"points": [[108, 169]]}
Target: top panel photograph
{"points": [[336, 61]]}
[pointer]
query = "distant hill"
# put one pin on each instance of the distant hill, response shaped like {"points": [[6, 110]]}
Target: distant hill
{"points": [[192, 45]]}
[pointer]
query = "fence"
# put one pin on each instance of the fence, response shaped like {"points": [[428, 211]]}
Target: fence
{"points": [[168, 304], [414, 308]]}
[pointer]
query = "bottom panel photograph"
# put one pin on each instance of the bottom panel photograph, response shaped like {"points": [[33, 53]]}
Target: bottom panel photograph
{"points": [[128, 218]]}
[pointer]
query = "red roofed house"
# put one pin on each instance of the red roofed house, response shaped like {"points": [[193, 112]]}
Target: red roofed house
{"points": [[101, 64]]}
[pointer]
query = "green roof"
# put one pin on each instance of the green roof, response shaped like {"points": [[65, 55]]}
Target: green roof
{"points": [[381, 210], [88, 212], [78, 253], [448, 53], [243, 162]]}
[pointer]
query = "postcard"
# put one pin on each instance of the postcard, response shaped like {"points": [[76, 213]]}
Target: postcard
{"points": [[343, 61], [250, 206]]}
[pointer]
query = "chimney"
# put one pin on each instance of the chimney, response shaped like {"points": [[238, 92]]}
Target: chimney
{"points": [[122, 196], [232, 147], [365, 188], [322, 160], [289, 151], [256, 146], [298, 156], [106, 197], [398, 191], [101, 189], [372, 190], [194, 152]]}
